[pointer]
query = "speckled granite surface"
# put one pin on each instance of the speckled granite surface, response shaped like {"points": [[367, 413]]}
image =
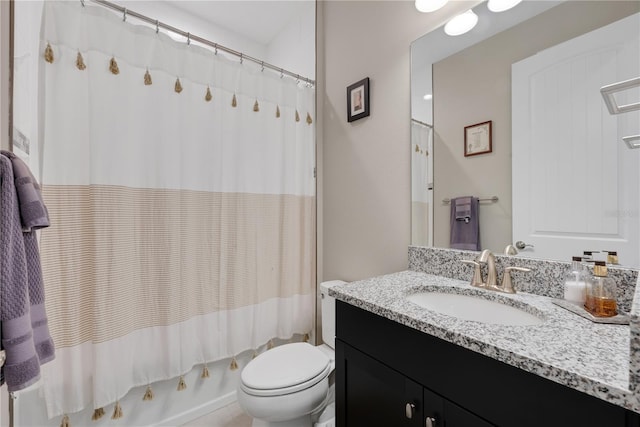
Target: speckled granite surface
{"points": [[600, 360], [546, 277]]}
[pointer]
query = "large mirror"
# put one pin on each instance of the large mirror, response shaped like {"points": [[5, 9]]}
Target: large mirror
{"points": [[557, 175]]}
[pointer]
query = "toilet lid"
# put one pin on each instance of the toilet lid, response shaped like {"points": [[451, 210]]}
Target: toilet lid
{"points": [[285, 366]]}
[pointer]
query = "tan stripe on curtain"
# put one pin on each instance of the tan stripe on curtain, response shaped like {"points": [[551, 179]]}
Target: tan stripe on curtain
{"points": [[133, 258]]}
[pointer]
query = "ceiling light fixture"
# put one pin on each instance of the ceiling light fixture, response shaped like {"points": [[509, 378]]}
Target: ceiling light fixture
{"points": [[501, 5], [430, 5], [461, 24]]}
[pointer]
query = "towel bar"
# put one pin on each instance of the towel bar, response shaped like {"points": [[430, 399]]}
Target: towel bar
{"points": [[491, 199]]}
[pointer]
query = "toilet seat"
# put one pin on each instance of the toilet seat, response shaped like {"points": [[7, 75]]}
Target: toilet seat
{"points": [[284, 370]]}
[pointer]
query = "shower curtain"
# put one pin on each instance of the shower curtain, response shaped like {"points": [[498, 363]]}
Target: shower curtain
{"points": [[180, 185], [421, 177]]}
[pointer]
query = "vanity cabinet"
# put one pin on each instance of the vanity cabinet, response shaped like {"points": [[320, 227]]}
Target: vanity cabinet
{"points": [[381, 366], [376, 395]]}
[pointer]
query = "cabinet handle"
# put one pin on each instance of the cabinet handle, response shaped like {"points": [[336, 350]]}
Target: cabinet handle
{"points": [[431, 422], [409, 410]]}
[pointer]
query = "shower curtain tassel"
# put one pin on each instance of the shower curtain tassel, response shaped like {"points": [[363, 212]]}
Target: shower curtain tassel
{"points": [[234, 364], [113, 66], [148, 394], [97, 414], [297, 116], [270, 345], [80, 65], [48, 54], [181, 384], [277, 111], [256, 107], [234, 101], [309, 119], [147, 78], [178, 86], [205, 372], [208, 97], [65, 421], [305, 338], [117, 411]]}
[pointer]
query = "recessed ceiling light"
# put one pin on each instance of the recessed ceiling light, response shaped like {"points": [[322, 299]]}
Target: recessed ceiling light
{"points": [[427, 97], [461, 24], [501, 5], [430, 5]]}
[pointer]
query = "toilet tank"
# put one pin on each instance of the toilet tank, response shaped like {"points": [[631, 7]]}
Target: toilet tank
{"points": [[328, 312]]}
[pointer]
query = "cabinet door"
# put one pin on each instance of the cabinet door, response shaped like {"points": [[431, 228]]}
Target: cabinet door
{"points": [[444, 413], [369, 393]]}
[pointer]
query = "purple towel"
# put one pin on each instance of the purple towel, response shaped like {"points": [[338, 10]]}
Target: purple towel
{"points": [[465, 230], [33, 212], [463, 208], [25, 334]]}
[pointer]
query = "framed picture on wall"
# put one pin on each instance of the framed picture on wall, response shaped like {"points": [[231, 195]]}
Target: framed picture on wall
{"points": [[358, 100], [477, 139]]}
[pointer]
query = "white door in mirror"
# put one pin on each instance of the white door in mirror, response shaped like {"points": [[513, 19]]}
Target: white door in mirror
{"points": [[584, 191]]}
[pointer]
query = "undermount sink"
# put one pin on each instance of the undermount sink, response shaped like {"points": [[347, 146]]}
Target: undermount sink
{"points": [[468, 307]]}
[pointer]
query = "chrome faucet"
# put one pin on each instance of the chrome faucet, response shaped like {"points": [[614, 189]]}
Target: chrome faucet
{"points": [[486, 257]]}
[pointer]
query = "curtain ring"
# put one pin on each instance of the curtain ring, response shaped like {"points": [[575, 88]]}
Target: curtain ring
{"points": [[215, 47], [188, 39], [281, 73], [241, 57], [262, 64], [82, 3], [297, 78], [157, 26], [124, 15]]}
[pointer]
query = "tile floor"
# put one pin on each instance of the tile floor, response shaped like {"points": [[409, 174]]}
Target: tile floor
{"points": [[228, 416]]}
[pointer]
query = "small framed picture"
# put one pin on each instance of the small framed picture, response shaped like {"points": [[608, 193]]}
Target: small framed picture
{"points": [[477, 139], [358, 100]]}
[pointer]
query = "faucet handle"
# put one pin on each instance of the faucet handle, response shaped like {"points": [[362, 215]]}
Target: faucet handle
{"points": [[507, 283], [476, 280]]}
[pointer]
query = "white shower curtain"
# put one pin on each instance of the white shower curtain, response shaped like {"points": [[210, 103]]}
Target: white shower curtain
{"points": [[421, 177], [182, 206]]}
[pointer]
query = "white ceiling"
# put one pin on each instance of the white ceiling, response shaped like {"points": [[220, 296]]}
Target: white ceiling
{"points": [[258, 20]]}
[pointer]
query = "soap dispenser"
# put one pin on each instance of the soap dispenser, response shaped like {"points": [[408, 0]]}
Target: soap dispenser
{"points": [[575, 282], [600, 299]]}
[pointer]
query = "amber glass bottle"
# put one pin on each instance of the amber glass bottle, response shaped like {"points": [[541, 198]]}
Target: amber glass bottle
{"points": [[601, 293]]}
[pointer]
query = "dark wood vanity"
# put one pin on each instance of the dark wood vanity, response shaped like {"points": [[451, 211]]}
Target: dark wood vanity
{"points": [[390, 375]]}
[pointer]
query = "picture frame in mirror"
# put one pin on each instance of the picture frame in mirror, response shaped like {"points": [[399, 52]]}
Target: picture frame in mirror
{"points": [[477, 139]]}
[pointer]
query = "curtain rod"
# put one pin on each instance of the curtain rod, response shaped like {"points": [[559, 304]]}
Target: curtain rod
{"points": [[421, 123], [191, 37]]}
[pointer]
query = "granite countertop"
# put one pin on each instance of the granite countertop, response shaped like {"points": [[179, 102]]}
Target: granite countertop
{"points": [[565, 348]]}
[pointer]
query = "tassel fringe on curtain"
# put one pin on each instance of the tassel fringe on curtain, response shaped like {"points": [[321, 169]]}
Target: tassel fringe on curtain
{"points": [[182, 200]]}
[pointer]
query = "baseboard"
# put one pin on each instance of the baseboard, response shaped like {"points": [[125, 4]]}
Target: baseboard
{"points": [[198, 411]]}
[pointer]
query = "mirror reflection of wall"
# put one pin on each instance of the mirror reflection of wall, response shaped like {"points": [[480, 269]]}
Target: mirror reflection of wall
{"points": [[473, 86]]}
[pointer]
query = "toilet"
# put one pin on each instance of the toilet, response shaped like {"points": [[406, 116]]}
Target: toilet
{"points": [[288, 386]]}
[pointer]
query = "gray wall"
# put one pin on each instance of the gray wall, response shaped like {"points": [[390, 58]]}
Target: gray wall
{"points": [[476, 85], [364, 180]]}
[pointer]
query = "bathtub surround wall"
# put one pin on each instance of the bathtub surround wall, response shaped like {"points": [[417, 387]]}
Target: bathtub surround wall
{"points": [[546, 277], [181, 190]]}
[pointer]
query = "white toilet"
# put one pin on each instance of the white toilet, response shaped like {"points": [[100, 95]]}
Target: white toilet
{"points": [[288, 386]]}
